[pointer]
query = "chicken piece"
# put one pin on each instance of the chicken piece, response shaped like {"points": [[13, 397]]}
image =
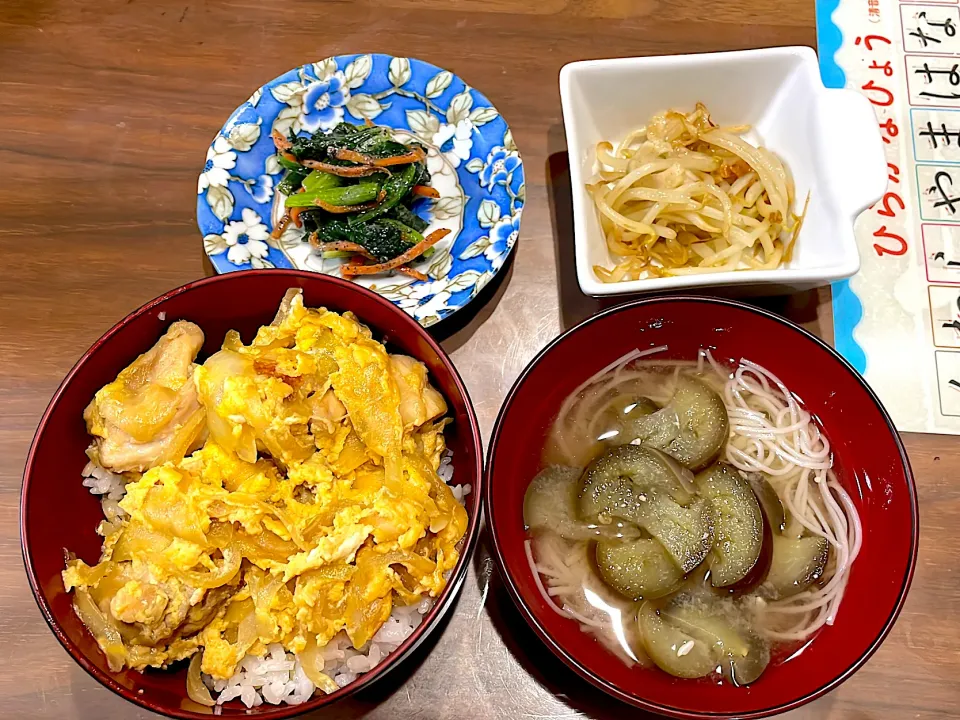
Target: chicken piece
{"points": [[247, 410], [181, 619], [199, 615], [150, 414], [138, 602], [328, 410], [419, 401]]}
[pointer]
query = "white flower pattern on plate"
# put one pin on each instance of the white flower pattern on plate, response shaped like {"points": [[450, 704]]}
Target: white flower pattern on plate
{"points": [[454, 143], [503, 236], [433, 307], [420, 291], [245, 238], [220, 159]]}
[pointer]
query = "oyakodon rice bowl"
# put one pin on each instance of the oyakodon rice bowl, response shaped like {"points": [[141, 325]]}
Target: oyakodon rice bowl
{"points": [[307, 533]]}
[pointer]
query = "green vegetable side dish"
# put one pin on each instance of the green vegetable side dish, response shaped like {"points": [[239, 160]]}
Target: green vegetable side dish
{"points": [[353, 191]]}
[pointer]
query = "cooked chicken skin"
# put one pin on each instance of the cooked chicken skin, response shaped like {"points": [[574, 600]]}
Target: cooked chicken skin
{"points": [[150, 414]]}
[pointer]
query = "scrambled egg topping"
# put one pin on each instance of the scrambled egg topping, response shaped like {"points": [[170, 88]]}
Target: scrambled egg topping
{"points": [[283, 491]]}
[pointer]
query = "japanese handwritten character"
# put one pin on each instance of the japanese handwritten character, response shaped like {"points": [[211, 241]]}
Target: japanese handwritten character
{"points": [[948, 27], [887, 102], [923, 37], [945, 199], [952, 75], [943, 134], [870, 39], [884, 233]]}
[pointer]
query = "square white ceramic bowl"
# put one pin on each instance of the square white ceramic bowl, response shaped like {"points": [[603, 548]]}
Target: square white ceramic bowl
{"points": [[829, 139]]}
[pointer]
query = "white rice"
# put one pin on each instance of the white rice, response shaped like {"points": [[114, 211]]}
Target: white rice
{"points": [[101, 481], [111, 488], [278, 676]]}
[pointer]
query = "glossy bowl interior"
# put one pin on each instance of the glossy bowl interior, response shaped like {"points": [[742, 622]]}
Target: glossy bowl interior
{"points": [[57, 512], [869, 459]]}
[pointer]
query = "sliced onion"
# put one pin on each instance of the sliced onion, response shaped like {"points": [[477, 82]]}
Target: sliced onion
{"points": [[196, 690], [312, 661], [137, 540], [262, 600], [214, 578], [101, 628], [91, 576], [220, 534], [243, 500], [247, 633]]}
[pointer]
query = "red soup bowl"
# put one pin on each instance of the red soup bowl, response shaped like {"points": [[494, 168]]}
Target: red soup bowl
{"points": [[869, 459], [57, 512]]}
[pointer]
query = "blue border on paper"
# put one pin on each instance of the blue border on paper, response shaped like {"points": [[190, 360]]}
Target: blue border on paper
{"points": [[847, 308]]}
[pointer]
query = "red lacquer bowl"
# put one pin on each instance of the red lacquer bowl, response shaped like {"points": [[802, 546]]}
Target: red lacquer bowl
{"points": [[869, 458], [57, 512]]}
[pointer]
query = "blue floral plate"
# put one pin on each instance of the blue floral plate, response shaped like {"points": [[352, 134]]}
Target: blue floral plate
{"points": [[470, 152]]}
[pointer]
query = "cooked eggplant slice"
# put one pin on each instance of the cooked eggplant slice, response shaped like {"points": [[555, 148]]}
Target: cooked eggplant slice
{"points": [[745, 670], [617, 482], [632, 483], [637, 569], [550, 503], [685, 532], [692, 428], [741, 654], [758, 573], [796, 564], [673, 650], [737, 523], [623, 416], [769, 501]]}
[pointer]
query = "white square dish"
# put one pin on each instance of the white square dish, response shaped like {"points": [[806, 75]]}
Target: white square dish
{"points": [[829, 139]]}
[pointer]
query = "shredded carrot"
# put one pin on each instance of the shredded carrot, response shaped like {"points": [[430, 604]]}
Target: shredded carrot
{"points": [[368, 122], [281, 225], [415, 155], [409, 271], [288, 156], [344, 170], [279, 141], [426, 191], [411, 254], [353, 156], [295, 216]]}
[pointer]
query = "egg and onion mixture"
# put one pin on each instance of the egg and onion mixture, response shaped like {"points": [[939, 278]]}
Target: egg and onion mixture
{"points": [[281, 492]]}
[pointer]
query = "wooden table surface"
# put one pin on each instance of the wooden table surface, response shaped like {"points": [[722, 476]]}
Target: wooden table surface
{"points": [[106, 110]]}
